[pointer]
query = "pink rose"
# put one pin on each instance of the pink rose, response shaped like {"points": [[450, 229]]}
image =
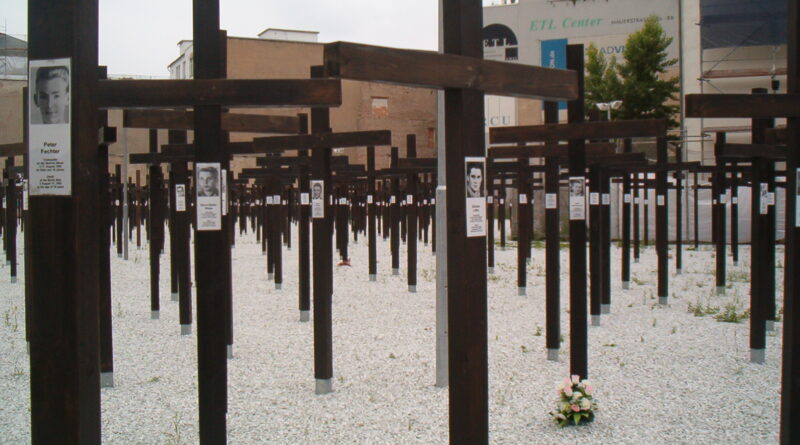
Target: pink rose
{"points": [[588, 390], [568, 391], [576, 408]]}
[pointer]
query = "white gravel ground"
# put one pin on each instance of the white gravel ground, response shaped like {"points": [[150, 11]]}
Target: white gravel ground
{"points": [[662, 375]]}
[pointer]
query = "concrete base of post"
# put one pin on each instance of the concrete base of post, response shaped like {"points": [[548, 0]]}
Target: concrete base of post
{"points": [[186, 329], [278, 286], [395, 271], [626, 285], [154, 315], [720, 290], [305, 315], [552, 355], [230, 351], [13, 279], [412, 289], [174, 296], [373, 277], [491, 270], [757, 356], [119, 255], [605, 309], [521, 291], [595, 320], [263, 253], [107, 379], [270, 276], [663, 300], [28, 347], [735, 263], [678, 271], [771, 325], [636, 260], [323, 386]]}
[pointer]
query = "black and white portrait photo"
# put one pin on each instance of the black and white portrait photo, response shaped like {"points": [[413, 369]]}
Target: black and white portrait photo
{"points": [[208, 182], [475, 201], [50, 95], [475, 179]]}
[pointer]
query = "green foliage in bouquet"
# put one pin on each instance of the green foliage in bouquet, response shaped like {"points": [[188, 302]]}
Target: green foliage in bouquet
{"points": [[576, 405]]}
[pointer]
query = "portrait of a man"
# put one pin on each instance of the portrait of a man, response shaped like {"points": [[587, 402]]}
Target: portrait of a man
{"points": [[474, 179], [208, 182], [51, 94]]}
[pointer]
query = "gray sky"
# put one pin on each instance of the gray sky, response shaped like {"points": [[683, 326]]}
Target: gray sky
{"points": [[139, 37]]}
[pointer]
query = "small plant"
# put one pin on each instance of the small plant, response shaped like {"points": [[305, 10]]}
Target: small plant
{"points": [[576, 405], [731, 314], [524, 349], [174, 436], [739, 275], [155, 379], [538, 331]]}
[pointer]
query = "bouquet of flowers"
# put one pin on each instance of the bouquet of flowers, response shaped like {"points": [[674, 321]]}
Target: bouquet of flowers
{"points": [[576, 405]]}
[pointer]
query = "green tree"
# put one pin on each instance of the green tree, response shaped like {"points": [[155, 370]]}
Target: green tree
{"points": [[601, 81], [638, 81], [645, 94]]}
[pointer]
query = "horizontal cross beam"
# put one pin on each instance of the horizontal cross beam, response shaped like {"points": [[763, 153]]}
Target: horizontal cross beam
{"points": [[322, 140], [750, 151], [225, 92], [16, 149], [233, 122], [540, 151], [576, 131], [743, 105], [429, 69]]}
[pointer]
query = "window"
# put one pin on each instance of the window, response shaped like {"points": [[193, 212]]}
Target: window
{"points": [[380, 107]]}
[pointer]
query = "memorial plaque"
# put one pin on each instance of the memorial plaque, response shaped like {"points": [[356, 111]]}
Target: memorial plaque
{"points": [[577, 198], [317, 199], [474, 168], [209, 204]]}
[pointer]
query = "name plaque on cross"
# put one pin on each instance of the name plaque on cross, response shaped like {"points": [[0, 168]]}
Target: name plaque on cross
{"points": [[180, 197], [209, 203]]}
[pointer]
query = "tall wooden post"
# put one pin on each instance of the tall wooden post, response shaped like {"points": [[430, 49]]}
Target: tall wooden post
{"points": [[577, 230], [662, 221], [104, 215], [735, 212], [679, 214], [323, 254], [394, 214], [154, 190], [210, 264], [65, 369], [595, 249], [371, 211], [627, 200], [637, 210], [605, 241], [303, 231], [466, 256], [523, 220], [719, 216], [552, 245], [695, 214], [10, 234], [411, 214]]}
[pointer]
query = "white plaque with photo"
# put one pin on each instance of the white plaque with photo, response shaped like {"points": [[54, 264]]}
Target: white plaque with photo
{"points": [[209, 202], [369, 199], [523, 198], [268, 200], [392, 199], [224, 191], [49, 114], [180, 197], [771, 198], [317, 199], [606, 199], [735, 200], [797, 198], [594, 198], [764, 191], [490, 200], [409, 199], [475, 196], [304, 200], [276, 200], [626, 198], [577, 198], [24, 194], [660, 200], [551, 201]]}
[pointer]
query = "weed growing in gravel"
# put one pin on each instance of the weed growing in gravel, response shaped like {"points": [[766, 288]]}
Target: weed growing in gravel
{"points": [[174, 436], [639, 281], [538, 331], [699, 310], [730, 313], [739, 276], [155, 379], [10, 319]]}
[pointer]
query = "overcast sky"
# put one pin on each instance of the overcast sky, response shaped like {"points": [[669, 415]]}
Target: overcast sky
{"points": [[139, 37]]}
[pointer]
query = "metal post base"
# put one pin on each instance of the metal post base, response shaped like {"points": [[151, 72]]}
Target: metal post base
{"points": [[107, 379], [412, 289], [324, 386], [395, 271], [491, 270], [663, 301], [186, 329], [28, 344], [636, 260], [13, 279], [626, 285], [270, 276], [373, 277], [771, 325], [552, 355], [154, 315], [678, 272], [521, 291], [305, 315], [720, 290], [119, 255], [757, 356], [230, 351], [263, 253], [735, 263], [605, 308], [278, 286], [174, 296], [595, 320]]}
